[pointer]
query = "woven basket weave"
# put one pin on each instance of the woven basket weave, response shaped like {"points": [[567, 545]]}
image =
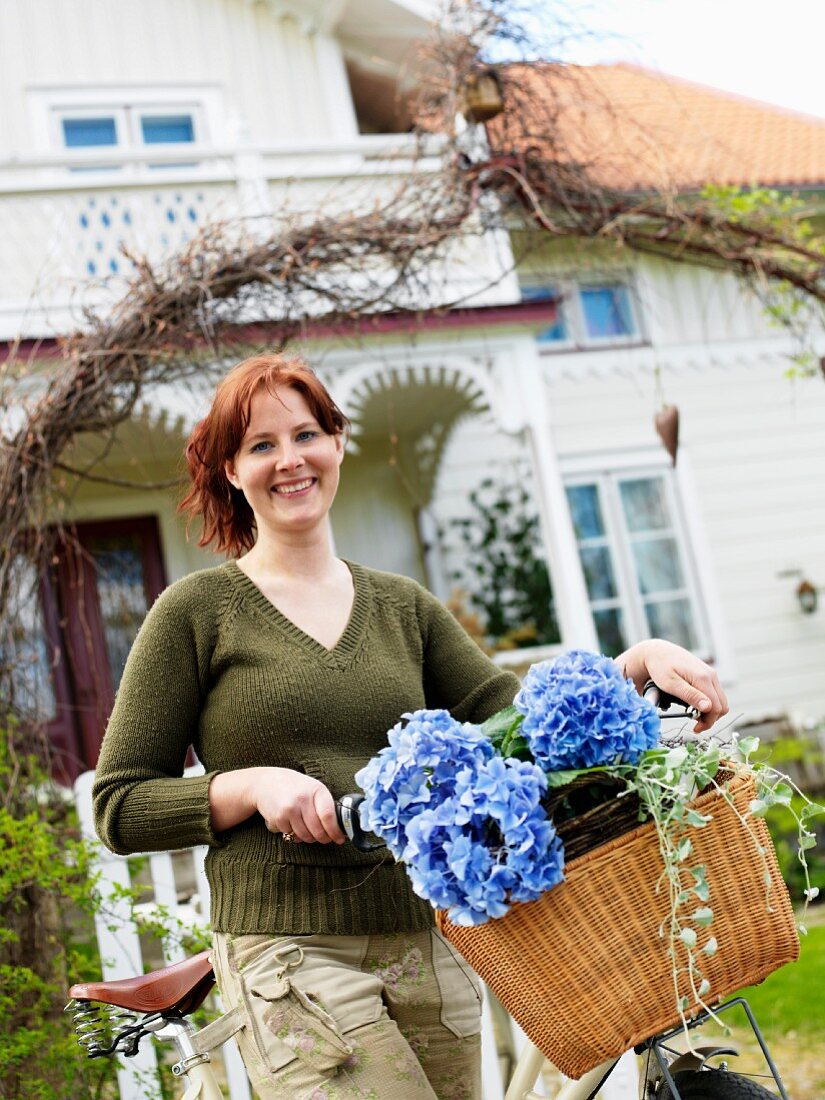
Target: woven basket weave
{"points": [[584, 971]]}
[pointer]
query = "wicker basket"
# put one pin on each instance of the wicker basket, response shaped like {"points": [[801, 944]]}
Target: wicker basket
{"points": [[584, 971]]}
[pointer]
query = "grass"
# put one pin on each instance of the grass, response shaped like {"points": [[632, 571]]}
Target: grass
{"points": [[793, 999]]}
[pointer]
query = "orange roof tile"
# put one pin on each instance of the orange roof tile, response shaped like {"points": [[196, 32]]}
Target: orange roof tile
{"points": [[635, 129]]}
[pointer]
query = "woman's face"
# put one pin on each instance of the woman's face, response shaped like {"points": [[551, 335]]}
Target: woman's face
{"points": [[286, 466]]}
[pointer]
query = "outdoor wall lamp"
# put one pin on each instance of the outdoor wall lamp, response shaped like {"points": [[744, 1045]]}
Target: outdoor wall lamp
{"points": [[808, 597]]}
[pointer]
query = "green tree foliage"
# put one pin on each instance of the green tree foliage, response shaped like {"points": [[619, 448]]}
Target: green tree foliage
{"points": [[46, 933]]}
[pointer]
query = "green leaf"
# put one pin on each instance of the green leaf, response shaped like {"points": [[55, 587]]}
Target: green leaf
{"points": [[697, 820], [806, 841], [684, 849], [758, 807], [688, 937], [704, 987], [748, 745], [501, 723], [711, 947], [782, 794], [562, 778], [702, 916]]}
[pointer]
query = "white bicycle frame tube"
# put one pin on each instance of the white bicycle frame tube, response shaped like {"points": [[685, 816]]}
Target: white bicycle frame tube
{"points": [[529, 1066], [202, 1084]]}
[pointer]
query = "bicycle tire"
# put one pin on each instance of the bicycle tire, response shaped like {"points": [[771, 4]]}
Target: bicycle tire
{"points": [[714, 1084]]}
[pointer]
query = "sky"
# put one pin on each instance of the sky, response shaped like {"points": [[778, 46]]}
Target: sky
{"points": [[767, 51]]}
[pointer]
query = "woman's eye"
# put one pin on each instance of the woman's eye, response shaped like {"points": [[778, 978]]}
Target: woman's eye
{"points": [[260, 446], [304, 436]]}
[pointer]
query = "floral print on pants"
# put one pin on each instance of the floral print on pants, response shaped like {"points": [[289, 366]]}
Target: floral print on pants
{"points": [[392, 1017]]}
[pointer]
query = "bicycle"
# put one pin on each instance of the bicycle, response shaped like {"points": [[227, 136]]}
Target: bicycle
{"points": [[113, 1017]]}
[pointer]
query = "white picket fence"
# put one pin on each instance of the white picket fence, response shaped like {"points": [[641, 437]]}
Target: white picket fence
{"points": [[118, 937]]}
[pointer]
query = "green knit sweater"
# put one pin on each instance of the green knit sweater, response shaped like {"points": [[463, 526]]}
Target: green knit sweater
{"points": [[216, 665]]}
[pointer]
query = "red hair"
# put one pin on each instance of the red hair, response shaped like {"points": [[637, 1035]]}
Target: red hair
{"points": [[228, 521]]}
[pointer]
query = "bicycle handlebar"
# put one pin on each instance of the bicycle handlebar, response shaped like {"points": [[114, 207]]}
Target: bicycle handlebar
{"points": [[348, 807]]}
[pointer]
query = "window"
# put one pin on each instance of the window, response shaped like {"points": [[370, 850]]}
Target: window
{"points": [[80, 133], [126, 127], [590, 314], [633, 551]]}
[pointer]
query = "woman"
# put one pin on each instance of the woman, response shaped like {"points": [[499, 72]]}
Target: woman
{"points": [[285, 667]]}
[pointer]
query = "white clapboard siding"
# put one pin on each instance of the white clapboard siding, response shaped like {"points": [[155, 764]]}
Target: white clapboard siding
{"points": [[267, 72], [756, 451]]}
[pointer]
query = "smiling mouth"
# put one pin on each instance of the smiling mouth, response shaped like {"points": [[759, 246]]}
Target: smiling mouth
{"points": [[295, 487]]}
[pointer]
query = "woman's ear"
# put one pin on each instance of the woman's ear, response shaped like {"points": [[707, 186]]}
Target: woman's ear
{"points": [[231, 475]]}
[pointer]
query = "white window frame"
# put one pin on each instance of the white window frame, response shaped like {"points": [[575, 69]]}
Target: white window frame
{"points": [[49, 107], [609, 468], [571, 310]]}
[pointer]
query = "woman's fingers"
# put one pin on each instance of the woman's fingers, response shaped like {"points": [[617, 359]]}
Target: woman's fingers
{"points": [[298, 806], [700, 688], [683, 675], [314, 819]]}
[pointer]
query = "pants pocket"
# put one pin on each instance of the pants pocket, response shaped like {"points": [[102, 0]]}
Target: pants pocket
{"points": [[298, 1022], [459, 988]]}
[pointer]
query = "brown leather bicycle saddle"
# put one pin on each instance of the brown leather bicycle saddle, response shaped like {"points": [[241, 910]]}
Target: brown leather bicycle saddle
{"points": [[182, 987]]}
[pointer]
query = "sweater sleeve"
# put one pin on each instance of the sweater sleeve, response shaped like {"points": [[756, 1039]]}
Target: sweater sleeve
{"points": [[458, 676], [142, 801]]}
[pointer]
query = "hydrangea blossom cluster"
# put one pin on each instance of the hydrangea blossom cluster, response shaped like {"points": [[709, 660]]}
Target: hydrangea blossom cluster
{"points": [[468, 824], [580, 712], [417, 769]]}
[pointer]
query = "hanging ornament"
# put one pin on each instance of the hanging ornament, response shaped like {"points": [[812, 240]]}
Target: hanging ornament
{"points": [[666, 422]]}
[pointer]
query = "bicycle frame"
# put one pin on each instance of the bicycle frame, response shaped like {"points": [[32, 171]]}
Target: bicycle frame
{"points": [[195, 1070]]}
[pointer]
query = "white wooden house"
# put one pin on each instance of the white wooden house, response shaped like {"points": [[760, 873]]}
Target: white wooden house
{"points": [[138, 123]]}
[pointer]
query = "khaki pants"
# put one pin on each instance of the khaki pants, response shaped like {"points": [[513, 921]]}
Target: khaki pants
{"points": [[354, 1017]]}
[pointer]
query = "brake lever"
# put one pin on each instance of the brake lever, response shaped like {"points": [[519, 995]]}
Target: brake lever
{"points": [[667, 705]]}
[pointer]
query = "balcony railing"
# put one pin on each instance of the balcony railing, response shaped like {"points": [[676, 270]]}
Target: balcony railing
{"points": [[68, 220]]}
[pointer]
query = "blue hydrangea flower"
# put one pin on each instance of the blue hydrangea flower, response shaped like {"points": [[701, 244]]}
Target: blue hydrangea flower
{"points": [[580, 712], [418, 768], [468, 825]]}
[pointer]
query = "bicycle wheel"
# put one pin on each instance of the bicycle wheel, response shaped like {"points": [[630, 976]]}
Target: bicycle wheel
{"points": [[714, 1084]]}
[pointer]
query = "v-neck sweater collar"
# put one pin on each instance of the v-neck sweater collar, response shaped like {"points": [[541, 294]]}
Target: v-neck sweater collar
{"points": [[352, 636]]}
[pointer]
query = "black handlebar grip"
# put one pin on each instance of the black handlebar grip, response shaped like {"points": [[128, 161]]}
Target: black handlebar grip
{"points": [[348, 811]]}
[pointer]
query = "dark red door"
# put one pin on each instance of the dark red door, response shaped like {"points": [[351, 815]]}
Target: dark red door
{"points": [[100, 587]]}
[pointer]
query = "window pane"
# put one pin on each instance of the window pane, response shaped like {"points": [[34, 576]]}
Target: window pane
{"points": [[24, 649], [658, 568], [644, 504], [161, 129], [121, 595], [598, 572], [673, 620], [606, 311], [610, 629], [586, 511], [82, 132], [556, 331]]}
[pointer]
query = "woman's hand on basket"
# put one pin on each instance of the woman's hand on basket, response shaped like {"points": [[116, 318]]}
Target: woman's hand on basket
{"points": [[291, 803], [680, 673]]}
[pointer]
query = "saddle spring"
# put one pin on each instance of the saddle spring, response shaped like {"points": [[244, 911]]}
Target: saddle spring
{"points": [[103, 1029]]}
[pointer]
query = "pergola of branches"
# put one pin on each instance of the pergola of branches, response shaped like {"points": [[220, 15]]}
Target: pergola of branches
{"points": [[181, 317]]}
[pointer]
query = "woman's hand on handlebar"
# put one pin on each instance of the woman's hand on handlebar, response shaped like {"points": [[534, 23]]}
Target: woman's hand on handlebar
{"points": [[289, 802], [298, 805], [679, 673]]}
